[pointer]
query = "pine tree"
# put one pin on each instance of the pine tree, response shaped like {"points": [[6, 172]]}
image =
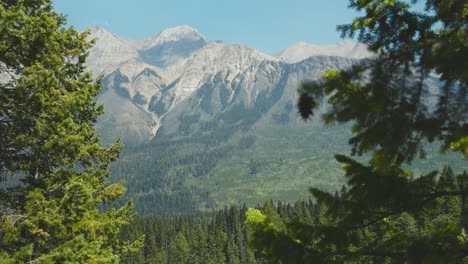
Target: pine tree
{"points": [[47, 113], [217, 240], [179, 250], [386, 100], [150, 249], [462, 181], [199, 244]]}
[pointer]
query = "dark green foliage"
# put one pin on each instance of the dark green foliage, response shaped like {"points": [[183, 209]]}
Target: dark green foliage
{"points": [[387, 213], [305, 105], [256, 166], [223, 237], [386, 96], [326, 232], [219, 237], [186, 121], [160, 169], [47, 113]]}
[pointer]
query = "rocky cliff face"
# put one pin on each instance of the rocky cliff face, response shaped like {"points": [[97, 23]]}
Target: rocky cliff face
{"points": [[188, 85]]}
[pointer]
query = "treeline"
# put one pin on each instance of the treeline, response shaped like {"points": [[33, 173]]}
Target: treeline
{"points": [[223, 236], [220, 237]]}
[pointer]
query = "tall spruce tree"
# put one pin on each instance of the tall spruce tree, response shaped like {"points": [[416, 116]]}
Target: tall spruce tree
{"points": [[394, 114], [47, 139], [179, 250]]}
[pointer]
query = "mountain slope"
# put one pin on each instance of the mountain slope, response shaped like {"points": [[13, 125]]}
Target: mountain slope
{"points": [[343, 48], [172, 46], [108, 52], [264, 93], [207, 124], [190, 110]]}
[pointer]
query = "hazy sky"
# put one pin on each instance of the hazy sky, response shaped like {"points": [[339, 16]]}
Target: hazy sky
{"points": [[267, 25]]}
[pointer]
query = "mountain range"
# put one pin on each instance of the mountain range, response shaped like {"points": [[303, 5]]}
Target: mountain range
{"points": [[154, 83], [207, 123]]}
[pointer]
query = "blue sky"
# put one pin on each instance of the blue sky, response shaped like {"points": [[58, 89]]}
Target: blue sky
{"points": [[267, 25]]}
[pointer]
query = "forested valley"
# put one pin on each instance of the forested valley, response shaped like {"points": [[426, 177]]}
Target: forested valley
{"points": [[324, 160], [223, 236]]}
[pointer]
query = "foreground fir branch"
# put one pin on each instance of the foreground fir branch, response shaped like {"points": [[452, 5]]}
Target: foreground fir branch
{"points": [[387, 213]]}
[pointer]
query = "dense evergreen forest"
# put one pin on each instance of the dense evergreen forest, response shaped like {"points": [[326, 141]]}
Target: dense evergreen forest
{"points": [[178, 178], [225, 236], [66, 208]]}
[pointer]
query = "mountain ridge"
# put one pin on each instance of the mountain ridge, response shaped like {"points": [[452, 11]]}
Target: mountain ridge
{"points": [[207, 123], [211, 116], [293, 54], [160, 72], [303, 50]]}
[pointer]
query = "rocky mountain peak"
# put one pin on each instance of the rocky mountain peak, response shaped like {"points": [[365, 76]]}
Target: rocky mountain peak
{"points": [[175, 34]]}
